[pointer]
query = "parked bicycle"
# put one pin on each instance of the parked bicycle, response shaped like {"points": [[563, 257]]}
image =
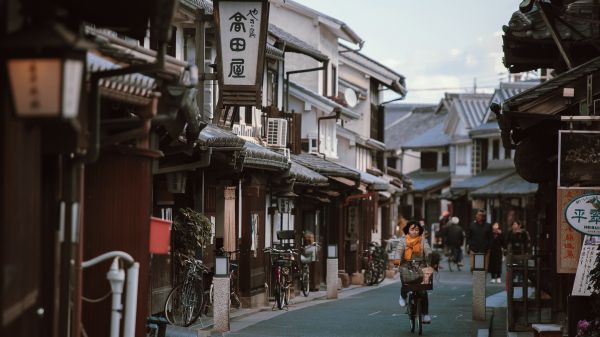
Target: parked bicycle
{"points": [[281, 265], [187, 300], [375, 263], [306, 256]]}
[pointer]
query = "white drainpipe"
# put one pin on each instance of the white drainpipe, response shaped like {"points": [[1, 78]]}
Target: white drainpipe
{"points": [[116, 277]]}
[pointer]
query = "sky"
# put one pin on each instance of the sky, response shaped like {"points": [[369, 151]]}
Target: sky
{"points": [[448, 44]]}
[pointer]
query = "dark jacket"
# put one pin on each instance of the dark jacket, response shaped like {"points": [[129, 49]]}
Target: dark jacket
{"points": [[479, 237], [454, 236]]}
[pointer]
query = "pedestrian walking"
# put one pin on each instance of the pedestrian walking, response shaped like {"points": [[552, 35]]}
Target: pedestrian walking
{"points": [[496, 253], [518, 239], [479, 237]]}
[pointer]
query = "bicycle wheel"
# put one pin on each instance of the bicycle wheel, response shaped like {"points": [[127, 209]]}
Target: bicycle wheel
{"points": [[305, 281], [234, 290], [286, 294], [419, 317], [380, 274], [278, 293], [450, 260], [184, 304], [411, 312]]}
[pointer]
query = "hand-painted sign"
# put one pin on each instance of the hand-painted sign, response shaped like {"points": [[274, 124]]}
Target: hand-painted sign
{"points": [[242, 28], [583, 214]]}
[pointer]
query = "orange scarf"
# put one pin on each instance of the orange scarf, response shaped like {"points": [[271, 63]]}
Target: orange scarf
{"points": [[413, 247]]}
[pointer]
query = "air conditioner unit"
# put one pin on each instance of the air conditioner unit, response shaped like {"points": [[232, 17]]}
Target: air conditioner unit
{"points": [[277, 129], [248, 130], [236, 129]]}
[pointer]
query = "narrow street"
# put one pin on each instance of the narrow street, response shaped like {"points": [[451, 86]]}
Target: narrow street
{"points": [[370, 311]]}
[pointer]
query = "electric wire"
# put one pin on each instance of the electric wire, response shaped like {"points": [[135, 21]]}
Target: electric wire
{"points": [[91, 300]]}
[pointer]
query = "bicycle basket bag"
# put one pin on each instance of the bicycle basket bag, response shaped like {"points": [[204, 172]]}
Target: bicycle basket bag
{"points": [[410, 275]]}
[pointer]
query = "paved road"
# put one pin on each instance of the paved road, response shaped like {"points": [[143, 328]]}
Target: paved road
{"points": [[368, 311]]}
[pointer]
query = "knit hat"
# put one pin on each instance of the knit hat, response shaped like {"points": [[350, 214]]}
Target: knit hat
{"points": [[454, 220]]}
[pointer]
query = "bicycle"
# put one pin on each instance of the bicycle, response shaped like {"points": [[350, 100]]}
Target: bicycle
{"points": [[453, 258], [417, 293], [186, 301], [281, 264], [374, 258], [303, 270]]}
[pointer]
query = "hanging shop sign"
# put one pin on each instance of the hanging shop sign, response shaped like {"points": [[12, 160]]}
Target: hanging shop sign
{"points": [[241, 42], [583, 214], [568, 240], [579, 158]]}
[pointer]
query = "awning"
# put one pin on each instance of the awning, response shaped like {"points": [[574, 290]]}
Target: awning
{"points": [[321, 102], [326, 167], [376, 183], [306, 176], [423, 181], [511, 186], [482, 179], [256, 156]]}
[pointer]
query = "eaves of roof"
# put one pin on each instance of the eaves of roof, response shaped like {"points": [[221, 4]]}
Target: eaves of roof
{"points": [[321, 102], [292, 43], [376, 70]]}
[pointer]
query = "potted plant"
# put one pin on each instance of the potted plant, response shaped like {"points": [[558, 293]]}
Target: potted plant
{"points": [[591, 328], [192, 231]]}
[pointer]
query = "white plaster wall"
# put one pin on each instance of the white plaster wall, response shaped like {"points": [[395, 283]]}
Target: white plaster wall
{"points": [[361, 126], [346, 153], [465, 170], [309, 117], [411, 161]]}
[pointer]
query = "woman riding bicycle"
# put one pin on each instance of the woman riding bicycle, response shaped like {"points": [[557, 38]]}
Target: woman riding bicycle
{"points": [[413, 246]]}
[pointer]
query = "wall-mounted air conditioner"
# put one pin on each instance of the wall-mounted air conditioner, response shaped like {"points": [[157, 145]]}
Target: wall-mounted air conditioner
{"points": [[277, 130]]}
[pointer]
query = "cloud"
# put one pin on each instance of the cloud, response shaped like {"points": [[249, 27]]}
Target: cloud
{"points": [[455, 52]]}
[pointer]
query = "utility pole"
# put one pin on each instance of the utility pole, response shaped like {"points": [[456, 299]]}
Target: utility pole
{"points": [[475, 85]]}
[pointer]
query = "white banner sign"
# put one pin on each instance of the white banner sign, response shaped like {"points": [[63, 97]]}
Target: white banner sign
{"points": [[239, 28], [587, 260]]}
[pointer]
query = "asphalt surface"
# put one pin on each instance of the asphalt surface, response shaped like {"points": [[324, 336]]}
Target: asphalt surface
{"points": [[369, 311]]}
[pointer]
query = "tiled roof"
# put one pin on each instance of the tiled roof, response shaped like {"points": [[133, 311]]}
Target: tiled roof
{"points": [[482, 179], [420, 120], [513, 185], [432, 138], [471, 108], [514, 104], [214, 136], [423, 181], [377, 183], [306, 176], [490, 128], [256, 156], [325, 167], [200, 4], [294, 44], [506, 91], [131, 84]]}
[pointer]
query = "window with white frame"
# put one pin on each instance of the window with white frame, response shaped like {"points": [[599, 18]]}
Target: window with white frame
{"points": [[461, 154]]}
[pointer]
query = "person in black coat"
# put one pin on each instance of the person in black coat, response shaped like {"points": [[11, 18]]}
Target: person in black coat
{"points": [[455, 238], [496, 252], [479, 237]]}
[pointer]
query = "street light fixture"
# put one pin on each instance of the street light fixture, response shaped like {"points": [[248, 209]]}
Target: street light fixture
{"points": [[479, 261], [221, 266], [332, 251], [46, 68]]}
